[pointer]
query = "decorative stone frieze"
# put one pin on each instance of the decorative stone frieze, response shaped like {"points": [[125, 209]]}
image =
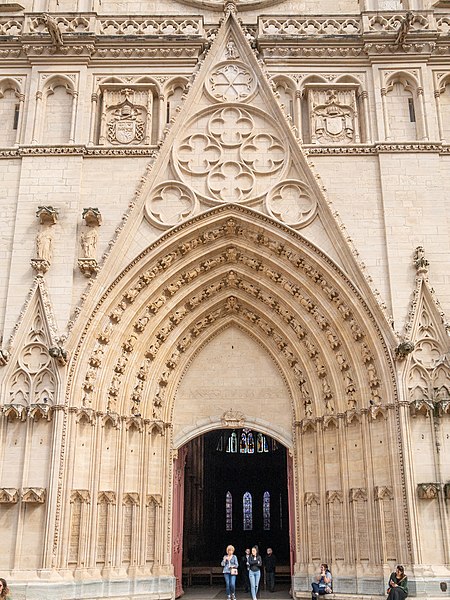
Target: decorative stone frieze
{"points": [[33, 495], [428, 491]]}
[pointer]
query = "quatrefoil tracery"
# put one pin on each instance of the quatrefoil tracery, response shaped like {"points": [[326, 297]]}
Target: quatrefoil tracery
{"points": [[231, 154]]}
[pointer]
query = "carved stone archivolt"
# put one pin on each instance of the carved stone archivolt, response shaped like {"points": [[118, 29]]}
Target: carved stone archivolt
{"points": [[240, 281]]}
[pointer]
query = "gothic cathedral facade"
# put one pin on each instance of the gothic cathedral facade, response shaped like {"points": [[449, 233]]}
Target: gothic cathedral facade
{"points": [[223, 215]]}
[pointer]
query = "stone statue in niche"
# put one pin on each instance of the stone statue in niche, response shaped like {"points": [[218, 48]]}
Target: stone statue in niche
{"points": [[89, 239], [126, 115], [333, 116], [44, 245]]}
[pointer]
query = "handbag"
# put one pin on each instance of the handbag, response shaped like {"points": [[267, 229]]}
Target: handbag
{"points": [[233, 571]]}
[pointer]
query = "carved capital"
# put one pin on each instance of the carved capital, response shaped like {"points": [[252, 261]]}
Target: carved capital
{"points": [[428, 491], [358, 495], [131, 498], [155, 499], [9, 495], [383, 492], [106, 497], [311, 498], [33, 495], [83, 496], [88, 266], [40, 265]]}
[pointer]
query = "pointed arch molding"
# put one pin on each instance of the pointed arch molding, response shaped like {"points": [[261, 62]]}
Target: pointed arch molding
{"points": [[327, 333]]}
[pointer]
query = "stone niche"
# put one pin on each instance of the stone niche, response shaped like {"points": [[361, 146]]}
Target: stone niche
{"points": [[332, 113], [126, 114]]}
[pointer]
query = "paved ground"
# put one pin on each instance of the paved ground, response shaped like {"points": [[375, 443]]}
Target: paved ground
{"points": [[206, 592]]}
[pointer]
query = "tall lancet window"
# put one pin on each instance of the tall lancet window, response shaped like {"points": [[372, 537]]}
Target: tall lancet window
{"points": [[248, 511], [229, 512], [266, 511]]}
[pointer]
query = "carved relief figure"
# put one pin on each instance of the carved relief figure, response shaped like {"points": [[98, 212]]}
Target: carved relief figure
{"points": [[44, 245], [89, 239]]}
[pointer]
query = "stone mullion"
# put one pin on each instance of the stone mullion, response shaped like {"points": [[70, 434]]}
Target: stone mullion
{"points": [[38, 110], [96, 451], [67, 520], [22, 505], [20, 119], [301, 524], [410, 519], [119, 487], [369, 485], [146, 452], [164, 536], [437, 99], [344, 464], [321, 473], [439, 476], [387, 129], [94, 100], [298, 112]]}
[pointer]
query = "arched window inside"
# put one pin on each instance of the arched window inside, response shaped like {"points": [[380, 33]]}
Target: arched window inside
{"points": [[266, 511], [248, 511], [250, 443], [232, 443], [243, 444], [229, 512]]}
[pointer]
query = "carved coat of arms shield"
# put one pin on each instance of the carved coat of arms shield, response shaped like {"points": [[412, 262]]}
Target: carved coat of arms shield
{"points": [[125, 131]]}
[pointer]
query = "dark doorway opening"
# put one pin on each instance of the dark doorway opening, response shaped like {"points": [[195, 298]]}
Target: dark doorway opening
{"points": [[236, 492]]}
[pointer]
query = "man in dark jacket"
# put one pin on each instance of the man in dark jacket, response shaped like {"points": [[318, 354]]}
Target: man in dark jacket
{"points": [[270, 563]]}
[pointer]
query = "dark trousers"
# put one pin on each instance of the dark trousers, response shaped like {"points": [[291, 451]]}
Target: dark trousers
{"points": [[270, 580], [317, 590]]}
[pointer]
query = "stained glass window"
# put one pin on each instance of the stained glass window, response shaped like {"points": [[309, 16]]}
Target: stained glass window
{"points": [[266, 511], [232, 443], [250, 443], [243, 444], [248, 511], [229, 512]]}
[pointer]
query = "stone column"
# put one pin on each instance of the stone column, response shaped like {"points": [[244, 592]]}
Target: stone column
{"points": [[387, 129]]}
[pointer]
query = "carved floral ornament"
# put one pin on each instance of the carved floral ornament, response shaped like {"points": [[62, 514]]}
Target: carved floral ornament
{"points": [[243, 291]]}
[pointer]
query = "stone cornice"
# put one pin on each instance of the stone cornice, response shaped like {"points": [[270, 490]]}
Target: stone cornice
{"points": [[151, 151], [93, 37]]}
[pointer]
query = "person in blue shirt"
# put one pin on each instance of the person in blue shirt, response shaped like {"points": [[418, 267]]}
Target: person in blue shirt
{"points": [[230, 566], [323, 583]]}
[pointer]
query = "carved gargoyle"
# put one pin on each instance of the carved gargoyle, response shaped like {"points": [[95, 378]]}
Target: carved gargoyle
{"points": [[53, 30], [59, 354], [403, 349], [4, 357]]}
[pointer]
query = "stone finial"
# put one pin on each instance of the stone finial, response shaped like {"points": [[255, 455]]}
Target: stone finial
{"points": [[92, 216], [403, 349], [420, 262], [230, 6], [47, 215]]}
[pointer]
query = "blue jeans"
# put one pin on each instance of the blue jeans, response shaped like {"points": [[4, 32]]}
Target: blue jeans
{"points": [[317, 590], [254, 577], [230, 583]]}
